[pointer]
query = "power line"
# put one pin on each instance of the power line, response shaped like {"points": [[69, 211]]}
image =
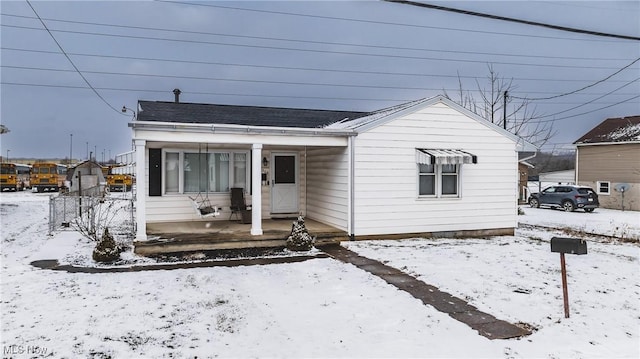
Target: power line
{"points": [[371, 21], [208, 78], [589, 102], [206, 93], [351, 53], [519, 21], [70, 61], [314, 42], [536, 119], [296, 83], [282, 67], [588, 112], [580, 89]]}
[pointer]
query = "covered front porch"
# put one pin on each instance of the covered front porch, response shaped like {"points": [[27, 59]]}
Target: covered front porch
{"points": [[190, 236], [283, 172]]}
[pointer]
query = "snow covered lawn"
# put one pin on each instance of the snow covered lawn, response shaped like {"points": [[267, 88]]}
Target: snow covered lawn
{"points": [[321, 307], [608, 222]]}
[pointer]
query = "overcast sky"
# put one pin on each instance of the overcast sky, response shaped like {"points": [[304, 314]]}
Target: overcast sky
{"points": [[335, 55]]}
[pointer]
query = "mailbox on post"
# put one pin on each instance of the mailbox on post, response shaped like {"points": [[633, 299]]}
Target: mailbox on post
{"points": [[568, 245], [564, 245]]}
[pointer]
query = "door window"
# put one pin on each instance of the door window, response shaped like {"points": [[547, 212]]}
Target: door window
{"points": [[285, 169]]}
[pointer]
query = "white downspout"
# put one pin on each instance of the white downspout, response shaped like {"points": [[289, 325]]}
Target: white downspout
{"points": [[141, 190], [256, 189], [351, 188]]}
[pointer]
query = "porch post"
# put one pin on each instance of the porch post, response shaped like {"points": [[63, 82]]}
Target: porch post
{"points": [[256, 189], [141, 190]]}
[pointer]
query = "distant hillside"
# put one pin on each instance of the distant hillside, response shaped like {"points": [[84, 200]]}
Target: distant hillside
{"points": [[549, 162]]}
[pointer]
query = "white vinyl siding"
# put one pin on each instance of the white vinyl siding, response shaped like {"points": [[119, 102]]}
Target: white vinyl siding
{"points": [[386, 195], [327, 186]]}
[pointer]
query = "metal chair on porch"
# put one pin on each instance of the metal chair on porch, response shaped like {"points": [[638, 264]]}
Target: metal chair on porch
{"points": [[238, 204]]}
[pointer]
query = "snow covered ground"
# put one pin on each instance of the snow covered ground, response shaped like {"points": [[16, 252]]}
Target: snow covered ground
{"points": [[322, 307], [607, 222]]}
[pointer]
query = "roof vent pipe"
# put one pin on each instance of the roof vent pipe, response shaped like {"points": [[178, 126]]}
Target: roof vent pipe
{"points": [[177, 93]]}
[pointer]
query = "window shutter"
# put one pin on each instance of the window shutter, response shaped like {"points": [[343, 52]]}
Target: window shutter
{"points": [[155, 172]]}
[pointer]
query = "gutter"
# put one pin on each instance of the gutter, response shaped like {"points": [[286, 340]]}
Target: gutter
{"points": [[607, 143], [528, 158], [225, 129]]}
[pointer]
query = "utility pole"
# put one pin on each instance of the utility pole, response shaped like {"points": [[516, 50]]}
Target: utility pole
{"points": [[70, 150], [504, 110]]}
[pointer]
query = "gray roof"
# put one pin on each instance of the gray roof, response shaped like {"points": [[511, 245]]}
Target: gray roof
{"points": [[374, 116], [182, 112]]}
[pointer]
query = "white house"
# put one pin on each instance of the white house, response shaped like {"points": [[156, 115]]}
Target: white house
{"points": [[427, 167]]}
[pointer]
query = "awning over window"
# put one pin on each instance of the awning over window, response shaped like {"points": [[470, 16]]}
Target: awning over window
{"points": [[444, 157]]}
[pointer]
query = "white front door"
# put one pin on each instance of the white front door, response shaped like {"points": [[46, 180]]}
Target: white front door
{"points": [[284, 182]]}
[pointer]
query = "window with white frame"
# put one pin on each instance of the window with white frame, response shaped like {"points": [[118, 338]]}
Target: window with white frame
{"points": [[604, 187], [215, 171], [439, 171], [438, 180], [427, 179]]}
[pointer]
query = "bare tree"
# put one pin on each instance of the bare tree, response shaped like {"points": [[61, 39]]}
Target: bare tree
{"points": [[521, 114], [97, 214]]}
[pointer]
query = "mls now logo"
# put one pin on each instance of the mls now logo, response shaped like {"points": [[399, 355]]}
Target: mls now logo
{"points": [[24, 349]]}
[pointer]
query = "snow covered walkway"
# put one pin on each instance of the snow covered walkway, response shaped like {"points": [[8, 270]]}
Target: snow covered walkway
{"points": [[458, 309]]}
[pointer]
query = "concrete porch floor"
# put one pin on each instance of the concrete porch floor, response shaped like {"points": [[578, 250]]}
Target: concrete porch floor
{"points": [[173, 237]]}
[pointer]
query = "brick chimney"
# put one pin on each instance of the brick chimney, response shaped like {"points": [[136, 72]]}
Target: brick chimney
{"points": [[177, 92]]}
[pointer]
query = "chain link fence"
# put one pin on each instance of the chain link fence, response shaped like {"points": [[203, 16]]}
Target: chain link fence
{"points": [[93, 210]]}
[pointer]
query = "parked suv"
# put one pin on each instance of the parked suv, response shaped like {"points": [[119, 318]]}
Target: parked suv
{"points": [[568, 198]]}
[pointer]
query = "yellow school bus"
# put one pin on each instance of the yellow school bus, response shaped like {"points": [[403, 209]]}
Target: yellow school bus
{"points": [[8, 177], [44, 177], [117, 181]]}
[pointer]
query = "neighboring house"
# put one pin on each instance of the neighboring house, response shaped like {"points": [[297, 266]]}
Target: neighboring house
{"points": [[425, 167], [608, 159], [523, 175], [87, 177]]}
